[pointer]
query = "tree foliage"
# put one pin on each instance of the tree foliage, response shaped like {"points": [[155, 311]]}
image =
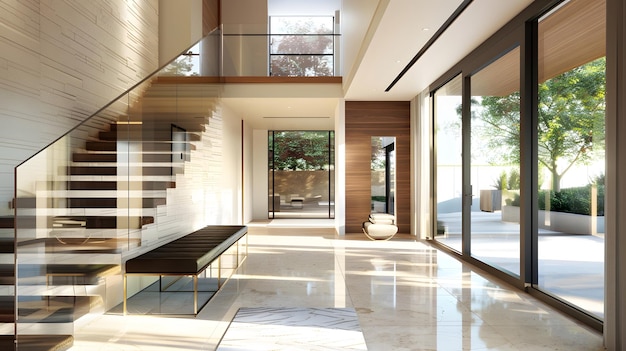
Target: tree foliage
{"points": [[308, 52], [180, 67], [300, 150], [378, 154], [570, 120]]}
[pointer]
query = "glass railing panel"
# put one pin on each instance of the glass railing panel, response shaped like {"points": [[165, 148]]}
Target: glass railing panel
{"points": [[263, 55], [302, 44], [69, 225], [202, 59], [302, 65]]}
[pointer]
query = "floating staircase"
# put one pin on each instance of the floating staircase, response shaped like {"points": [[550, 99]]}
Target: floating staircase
{"points": [[97, 206]]}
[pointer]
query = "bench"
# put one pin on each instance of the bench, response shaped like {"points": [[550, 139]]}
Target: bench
{"points": [[189, 255]]}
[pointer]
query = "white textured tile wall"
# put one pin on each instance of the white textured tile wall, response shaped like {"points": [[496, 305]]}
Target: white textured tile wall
{"points": [[61, 61]]}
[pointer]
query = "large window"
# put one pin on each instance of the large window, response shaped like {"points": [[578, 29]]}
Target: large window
{"points": [[302, 46], [519, 157], [495, 163], [301, 174], [570, 146]]}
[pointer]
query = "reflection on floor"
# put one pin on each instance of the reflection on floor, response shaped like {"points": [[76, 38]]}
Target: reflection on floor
{"points": [[293, 328], [407, 295], [571, 266]]}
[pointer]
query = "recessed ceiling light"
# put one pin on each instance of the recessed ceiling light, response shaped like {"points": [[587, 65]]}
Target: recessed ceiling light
{"points": [[425, 29]]}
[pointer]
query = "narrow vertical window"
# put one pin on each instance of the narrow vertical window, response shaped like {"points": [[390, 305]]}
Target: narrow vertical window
{"points": [[448, 151]]}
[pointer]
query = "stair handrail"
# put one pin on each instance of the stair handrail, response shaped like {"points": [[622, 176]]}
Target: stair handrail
{"points": [[154, 74]]}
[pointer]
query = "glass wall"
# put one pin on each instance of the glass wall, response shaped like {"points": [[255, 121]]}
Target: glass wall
{"points": [[531, 160], [448, 178], [571, 161], [301, 174], [495, 163]]}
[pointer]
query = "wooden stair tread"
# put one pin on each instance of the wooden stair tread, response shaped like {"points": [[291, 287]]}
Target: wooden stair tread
{"points": [[53, 342]]}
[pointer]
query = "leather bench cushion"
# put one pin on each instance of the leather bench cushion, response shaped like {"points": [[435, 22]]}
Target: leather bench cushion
{"points": [[190, 254]]}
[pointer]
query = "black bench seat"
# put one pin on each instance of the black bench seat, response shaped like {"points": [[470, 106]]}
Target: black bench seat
{"points": [[189, 255]]}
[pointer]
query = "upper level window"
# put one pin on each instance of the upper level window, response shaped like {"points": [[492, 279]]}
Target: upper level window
{"points": [[302, 46]]}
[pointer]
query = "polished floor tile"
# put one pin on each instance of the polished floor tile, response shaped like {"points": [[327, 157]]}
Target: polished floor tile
{"points": [[407, 296], [293, 328]]}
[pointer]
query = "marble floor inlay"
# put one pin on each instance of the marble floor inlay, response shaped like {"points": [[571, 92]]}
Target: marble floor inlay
{"points": [[297, 328], [407, 295]]}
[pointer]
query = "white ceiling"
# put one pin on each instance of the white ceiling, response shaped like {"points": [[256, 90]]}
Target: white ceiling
{"points": [[395, 31]]}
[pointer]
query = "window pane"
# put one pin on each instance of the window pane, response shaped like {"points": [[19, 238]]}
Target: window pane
{"points": [[448, 137], [302, 24], [302, 65], [302, 44], [300, 174], [495, 167], [571, 154]]}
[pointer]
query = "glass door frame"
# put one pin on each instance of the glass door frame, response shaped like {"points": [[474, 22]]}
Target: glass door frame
{"points": [[272, 178]]}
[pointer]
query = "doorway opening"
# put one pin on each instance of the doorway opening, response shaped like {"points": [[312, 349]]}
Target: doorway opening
{"points": [[301, 174]]}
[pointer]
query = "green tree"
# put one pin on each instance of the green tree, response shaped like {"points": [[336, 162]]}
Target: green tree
{"points": [[305, 52], [181, 66], [570, 120], [378, 154], [300, 150]]}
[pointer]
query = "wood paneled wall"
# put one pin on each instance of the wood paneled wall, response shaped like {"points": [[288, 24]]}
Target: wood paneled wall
{"points": [[210, 16], [365, 119]]}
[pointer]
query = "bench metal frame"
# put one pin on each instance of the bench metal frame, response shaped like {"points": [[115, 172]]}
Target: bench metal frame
{"points": [[195, 291]]}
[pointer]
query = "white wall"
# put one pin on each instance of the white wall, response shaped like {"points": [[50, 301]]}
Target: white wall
{"points": [[180, 24], [232, 163], [248, 174], [356, 17], [340, 168], [61, 61], [245, 55], [259, 174]]}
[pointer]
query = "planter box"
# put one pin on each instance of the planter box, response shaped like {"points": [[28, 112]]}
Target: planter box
{"points": [[568, 223], [490, 200]]}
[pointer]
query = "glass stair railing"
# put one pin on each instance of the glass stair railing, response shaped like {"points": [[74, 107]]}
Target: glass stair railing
{"points": [[114, 186]]}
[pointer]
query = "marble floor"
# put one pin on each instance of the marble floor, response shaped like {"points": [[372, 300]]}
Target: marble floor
{"points": [[294, 328], [407, 296]]}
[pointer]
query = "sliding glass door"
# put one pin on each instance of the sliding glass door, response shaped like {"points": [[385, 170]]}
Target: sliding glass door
{"points": [[519, 158], [571, 162], [495, 163]]}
